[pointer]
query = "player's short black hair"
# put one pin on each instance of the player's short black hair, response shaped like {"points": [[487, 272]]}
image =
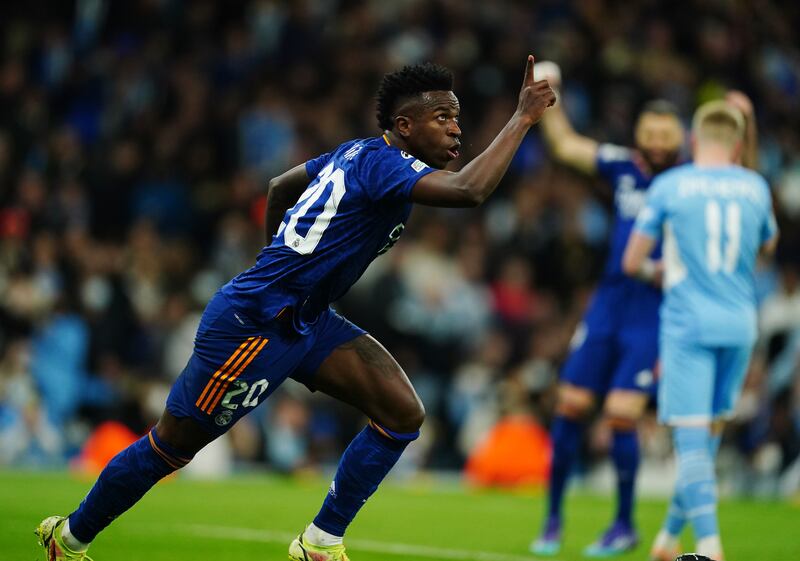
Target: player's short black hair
{"points": [[660, 107], [408, 82]]}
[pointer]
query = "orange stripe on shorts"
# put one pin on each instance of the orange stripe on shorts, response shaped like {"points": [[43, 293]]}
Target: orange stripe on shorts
{"points": [[225, 375], [222, 370], [236, 375]]}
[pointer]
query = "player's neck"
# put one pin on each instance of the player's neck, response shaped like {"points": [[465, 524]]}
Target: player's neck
{"points": [[395, 140], [712, 156]]}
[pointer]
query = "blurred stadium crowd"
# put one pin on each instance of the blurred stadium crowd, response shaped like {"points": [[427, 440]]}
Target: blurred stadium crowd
{"points": [[136, 140]]}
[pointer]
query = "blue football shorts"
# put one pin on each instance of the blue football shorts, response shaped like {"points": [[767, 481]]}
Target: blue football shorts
{"points": [[236, 363], [699, 383], [616, 345]]}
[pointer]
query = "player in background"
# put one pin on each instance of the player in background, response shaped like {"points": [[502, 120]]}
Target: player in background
{"points": [[327, 220], [615, 347], [715, 218]]}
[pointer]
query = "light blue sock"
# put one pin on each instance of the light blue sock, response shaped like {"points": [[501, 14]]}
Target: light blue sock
{"points": [[697, 486], [676, 514]]}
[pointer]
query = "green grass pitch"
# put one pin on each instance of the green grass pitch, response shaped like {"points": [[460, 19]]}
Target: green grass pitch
{"points": [[252, 518]]}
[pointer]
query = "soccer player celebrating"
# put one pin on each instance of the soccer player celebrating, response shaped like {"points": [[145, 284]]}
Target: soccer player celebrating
{"points": [[715, 218], [616, 346], [327, 220]]}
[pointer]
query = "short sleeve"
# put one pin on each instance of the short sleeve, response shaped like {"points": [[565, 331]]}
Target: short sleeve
{"points": [[391, 174], [650, 220], [769, 228], [315, 165], [609, 159]]}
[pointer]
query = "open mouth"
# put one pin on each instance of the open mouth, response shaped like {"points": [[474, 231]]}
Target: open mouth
{"points": [[453, 152]]}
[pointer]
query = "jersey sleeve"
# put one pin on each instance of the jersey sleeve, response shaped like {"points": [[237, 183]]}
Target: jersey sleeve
{"points": [[315, 165], [650, 220], [391, 174], [610, 158], [769, 228]]}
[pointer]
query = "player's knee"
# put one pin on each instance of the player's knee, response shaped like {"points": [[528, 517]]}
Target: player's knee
{"points": [[623, 409], [412, 420], [182, 434], [574, 403], [405, 417], [621, 423], [169, 457]]}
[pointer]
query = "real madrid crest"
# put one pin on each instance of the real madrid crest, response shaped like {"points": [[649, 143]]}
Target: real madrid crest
{"points": [[224, 418]]}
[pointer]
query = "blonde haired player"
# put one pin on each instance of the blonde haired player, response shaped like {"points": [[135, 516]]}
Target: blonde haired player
{"points": [[714, 217]]}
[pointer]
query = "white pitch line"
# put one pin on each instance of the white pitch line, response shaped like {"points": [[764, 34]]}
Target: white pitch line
{"points": [[270, 536]]}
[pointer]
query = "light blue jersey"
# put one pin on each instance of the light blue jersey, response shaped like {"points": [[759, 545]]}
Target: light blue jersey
{"points": [[714, 220]]}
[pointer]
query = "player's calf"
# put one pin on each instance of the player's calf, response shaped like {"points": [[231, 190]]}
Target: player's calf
{"points": [[574, 404], [622, 410], [125, 480]]}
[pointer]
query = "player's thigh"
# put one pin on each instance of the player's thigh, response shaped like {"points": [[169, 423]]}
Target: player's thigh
{"points": [[732, 365], [234, 366], [624, 407], [590, 363], [633, 382], [362, 373], [686, 387]]}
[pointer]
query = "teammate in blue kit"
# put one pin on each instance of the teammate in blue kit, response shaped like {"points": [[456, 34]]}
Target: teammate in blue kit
{"points": [[327, 220], [615, 348], [715, 217]]}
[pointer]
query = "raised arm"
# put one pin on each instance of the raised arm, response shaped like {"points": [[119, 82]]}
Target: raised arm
{"points": [[566, 145], [749, 158], [282, 194], [478, 179]]}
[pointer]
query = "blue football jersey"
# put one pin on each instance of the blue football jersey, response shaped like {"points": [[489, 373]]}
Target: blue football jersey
{"points": [[619, 166], [713, 220], [354, 209]]}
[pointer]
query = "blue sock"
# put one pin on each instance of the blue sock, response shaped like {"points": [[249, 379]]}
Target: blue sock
{"points": [[676, 514], [696, 479], [365, 463], [566, 435], [625, 452], [125, 480]]}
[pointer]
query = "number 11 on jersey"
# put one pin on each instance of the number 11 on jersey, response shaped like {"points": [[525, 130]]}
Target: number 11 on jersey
{"points": [[719, 257]]}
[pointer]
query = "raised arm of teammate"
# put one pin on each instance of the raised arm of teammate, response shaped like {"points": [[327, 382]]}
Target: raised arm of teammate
{"points": [[282, 193], [566, 145], [749, 157], [478, 179]]}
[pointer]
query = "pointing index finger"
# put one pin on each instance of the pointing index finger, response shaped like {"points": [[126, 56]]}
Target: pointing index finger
{"points": [[528, 81]]}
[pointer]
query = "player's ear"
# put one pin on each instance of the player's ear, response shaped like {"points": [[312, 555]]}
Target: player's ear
{"points": [[402, 125]]}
